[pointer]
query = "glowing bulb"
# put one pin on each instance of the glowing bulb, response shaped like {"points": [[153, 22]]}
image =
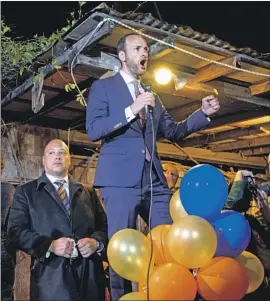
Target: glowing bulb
{"points": [[163, 76]]}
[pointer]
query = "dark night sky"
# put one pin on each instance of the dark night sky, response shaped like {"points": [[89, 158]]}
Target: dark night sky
{"points": [[239, 23]]}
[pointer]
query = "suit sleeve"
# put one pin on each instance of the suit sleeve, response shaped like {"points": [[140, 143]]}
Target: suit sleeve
{"points": [[20, 234], [100, 233], [175, 131], [239, 197], [99, 122]]}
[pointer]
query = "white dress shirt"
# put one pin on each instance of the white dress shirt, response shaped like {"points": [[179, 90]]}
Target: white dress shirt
{"points": [[54, 179], [128, 79]]}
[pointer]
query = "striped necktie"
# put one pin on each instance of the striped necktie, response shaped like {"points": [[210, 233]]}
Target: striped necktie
{"points": [[63, 194]]}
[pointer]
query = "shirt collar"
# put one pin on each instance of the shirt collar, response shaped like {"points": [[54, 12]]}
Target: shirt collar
{"points": [[53, 179], [127, 77]]}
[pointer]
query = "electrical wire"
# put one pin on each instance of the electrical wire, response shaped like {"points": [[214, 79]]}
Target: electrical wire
{"points": [[150, 209], [157, 40]]}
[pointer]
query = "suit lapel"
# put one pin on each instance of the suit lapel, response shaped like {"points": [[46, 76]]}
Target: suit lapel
{"points": [[53, 193], [74, 188]]}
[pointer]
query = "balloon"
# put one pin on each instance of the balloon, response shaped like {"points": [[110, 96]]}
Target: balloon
{"points": [[129, 254], [255, 270], [203, 191], [233, 233], [223, 279], [161, 253], [177, 210], [134, 296], [192, 241], [172, 282]]}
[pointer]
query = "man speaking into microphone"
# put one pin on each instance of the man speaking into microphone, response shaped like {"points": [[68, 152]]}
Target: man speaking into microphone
{"points": [[117, 114]]}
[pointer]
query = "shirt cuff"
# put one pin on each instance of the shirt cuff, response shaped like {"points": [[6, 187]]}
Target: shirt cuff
{"points": [[129, 114], [100, 248]]}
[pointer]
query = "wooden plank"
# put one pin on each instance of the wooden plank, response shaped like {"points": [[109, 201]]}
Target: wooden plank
{"points": [[213, 70], [238, 117], [59, 61], [169, 150], [256, 151], [208, 156], [247, 143], [232, 134], [260, 88], [197, 44]]}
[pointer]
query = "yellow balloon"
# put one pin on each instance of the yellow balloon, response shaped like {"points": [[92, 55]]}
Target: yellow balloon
{"points": [[134, 296], [192, 241], [177, 210], [129, 254], [254, 268]]}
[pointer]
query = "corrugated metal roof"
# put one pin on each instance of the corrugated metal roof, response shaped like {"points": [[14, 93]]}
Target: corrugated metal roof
{"points": [[186, 31]]}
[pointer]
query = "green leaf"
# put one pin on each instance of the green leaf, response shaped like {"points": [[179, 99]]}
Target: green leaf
{"points": [[81, 3], [72, 86], [6, 29], [83, 91], [57, 67], [67, 88], [36, 78], [21, 70]]}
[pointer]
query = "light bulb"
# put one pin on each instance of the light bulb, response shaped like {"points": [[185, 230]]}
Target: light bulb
{"points": [[163, 76]]}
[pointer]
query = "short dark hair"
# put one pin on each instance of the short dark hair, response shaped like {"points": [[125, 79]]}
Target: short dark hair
{"points": [[122, 42]]}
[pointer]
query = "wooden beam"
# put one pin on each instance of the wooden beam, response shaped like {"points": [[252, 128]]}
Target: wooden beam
{"points": [[210, 138], [213, 70], [159, 50], [60, 60], [260, 88], [238, 117], [169, 150], [208, 156], [197, 91], [255, 151], [247, 143]]}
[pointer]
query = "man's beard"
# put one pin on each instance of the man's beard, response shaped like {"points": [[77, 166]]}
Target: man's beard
{"points": [[133, 68]]}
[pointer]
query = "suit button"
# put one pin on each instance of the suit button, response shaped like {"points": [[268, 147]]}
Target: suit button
{"points": [[143, 151]]}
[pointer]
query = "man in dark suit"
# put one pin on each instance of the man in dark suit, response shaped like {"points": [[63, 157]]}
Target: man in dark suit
{"points": [[118, 114], [62, 225]]}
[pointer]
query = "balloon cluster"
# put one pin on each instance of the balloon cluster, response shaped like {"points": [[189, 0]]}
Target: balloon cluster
{"points": [[202, 251]]}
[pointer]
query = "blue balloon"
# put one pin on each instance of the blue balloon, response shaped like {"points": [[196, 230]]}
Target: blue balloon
{"points": [[203, 191], [233, 233]]}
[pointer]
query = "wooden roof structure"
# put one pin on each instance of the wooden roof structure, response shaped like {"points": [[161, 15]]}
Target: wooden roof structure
{"points": [[240, 132]]}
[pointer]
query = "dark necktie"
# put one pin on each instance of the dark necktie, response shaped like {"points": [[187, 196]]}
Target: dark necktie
{"points": [[142, 115], [63, 194]]}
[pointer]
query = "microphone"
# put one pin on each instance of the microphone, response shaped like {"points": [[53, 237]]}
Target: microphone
{"points": [[148, 88]]}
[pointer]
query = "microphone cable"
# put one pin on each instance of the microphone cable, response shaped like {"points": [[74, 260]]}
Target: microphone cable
{"points": [[151, 204]]}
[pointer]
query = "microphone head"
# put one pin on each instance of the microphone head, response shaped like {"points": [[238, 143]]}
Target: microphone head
{"points": [[147, 88]]}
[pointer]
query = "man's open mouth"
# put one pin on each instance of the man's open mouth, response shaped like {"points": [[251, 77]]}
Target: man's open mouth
{"points": [[143, 63]]}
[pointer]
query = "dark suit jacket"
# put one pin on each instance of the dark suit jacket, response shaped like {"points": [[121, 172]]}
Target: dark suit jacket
{"points": [[38, 216], [122, 154]]}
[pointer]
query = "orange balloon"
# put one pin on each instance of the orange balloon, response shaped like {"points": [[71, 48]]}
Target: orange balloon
{"points": [[223, 279], [134, 296], [161, 252], [172, 282], [142, 285]]}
